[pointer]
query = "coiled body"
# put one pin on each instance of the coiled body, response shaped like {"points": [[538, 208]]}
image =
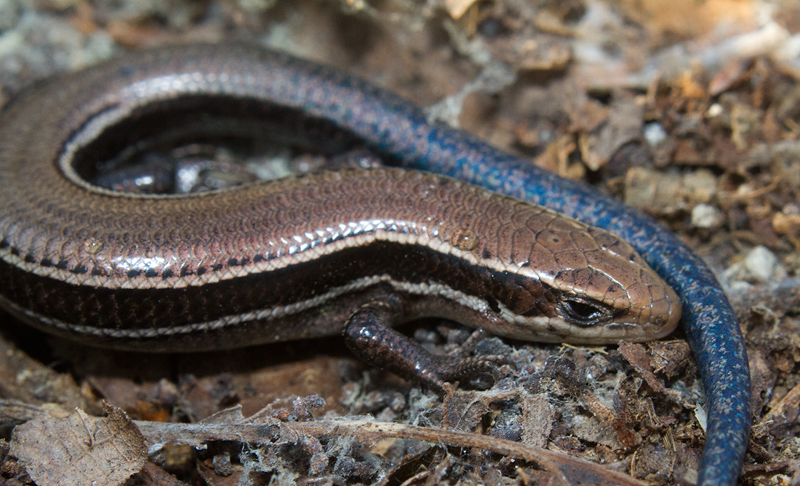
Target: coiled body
{"points": [[85, 242]]}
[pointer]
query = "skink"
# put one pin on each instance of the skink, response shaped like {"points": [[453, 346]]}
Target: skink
{"points": [[299, 257]]}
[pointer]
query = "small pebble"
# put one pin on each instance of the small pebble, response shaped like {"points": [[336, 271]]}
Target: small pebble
{"points": [[763, 265], [654, 134], [714, 110], [705, 216]]}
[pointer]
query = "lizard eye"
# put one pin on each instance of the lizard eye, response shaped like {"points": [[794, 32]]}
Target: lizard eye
{"points": [[584, 312]]}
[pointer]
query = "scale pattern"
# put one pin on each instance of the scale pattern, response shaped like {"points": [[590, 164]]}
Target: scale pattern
{"points": [[397, 129]]}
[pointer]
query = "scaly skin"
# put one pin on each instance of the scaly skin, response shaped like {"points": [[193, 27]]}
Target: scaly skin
{"points": [[399, 130]]}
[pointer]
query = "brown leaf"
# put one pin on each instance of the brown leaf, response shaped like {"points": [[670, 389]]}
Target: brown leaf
{"points": [[670, 357], [624, 125], [538, 416], [80, 449], [638, 357], [783, 414], [465, 410]]}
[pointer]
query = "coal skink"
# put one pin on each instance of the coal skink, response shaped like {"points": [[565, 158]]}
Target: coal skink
{"points": [[301, 257]]}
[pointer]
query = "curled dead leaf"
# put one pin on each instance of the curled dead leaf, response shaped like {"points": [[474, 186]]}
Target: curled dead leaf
{"points": [[80, 449]]}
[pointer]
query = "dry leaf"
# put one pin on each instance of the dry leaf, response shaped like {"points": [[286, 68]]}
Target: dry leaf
{"points": [[79, 449]]}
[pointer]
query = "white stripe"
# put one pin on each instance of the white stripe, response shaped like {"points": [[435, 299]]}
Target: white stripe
{"points": [[332, 244]]}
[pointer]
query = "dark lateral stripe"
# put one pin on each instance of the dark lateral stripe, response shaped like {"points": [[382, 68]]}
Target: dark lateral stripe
{"points": [[160, 308]]}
